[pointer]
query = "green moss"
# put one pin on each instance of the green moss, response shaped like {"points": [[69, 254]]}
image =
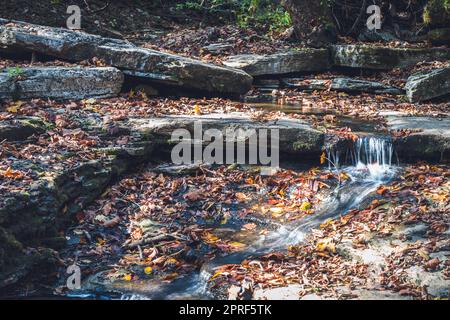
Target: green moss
{"points": [[437, 12], [9, 248]]}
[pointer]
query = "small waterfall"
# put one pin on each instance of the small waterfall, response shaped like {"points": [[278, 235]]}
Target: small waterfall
{"points": [[371, 154], [374, 154]]}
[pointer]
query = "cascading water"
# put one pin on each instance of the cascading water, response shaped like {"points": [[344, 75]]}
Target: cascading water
{"points": [[373, 155], [368, 164]]}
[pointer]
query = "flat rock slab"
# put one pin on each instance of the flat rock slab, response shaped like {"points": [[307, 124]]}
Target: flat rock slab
{"points": [[162, 67], [60, 83], [301, 60], [343, 85], [429, 137], [296, 136], [429, 85], [384, 58]]}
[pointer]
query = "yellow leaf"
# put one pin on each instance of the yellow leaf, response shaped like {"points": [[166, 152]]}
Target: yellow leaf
{"points": [[305, 206], [210, 238], [218, 273], [101, 242], [171, 261], [326, 245], [14, 107], [143, 95], [323, 158], [424, 254], [90, 101], [148, 270], [238, 244], [276, 212], [197, 110], [440, 197], [127, 277]]}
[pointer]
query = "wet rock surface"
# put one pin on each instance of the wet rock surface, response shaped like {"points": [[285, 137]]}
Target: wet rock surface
{"points": [[60, 83]]}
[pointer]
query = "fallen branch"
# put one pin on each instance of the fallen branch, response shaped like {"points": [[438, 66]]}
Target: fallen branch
{"points": [[152, 240]]}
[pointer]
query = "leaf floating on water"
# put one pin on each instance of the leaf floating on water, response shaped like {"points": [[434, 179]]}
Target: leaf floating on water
{"points": [[148, 270], [238, 244], [127, 277], [210, 238], [305, 206]]}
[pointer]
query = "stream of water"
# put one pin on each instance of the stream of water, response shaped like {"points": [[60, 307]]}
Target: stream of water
{"points": [[368, 164]]}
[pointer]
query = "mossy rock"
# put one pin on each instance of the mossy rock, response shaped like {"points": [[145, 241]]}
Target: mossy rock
{"points": [[9, 247]]}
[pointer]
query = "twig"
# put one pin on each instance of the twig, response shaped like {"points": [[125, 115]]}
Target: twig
{"points": [[161, 237], [338, 171], [144, 242], [98, 10], [361, 12]]}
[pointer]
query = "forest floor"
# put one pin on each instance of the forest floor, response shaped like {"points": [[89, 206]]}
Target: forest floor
{"points": [[371, 252], [153, 229]]}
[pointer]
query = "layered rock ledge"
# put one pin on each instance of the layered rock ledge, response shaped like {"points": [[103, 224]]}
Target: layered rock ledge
{"points": [[165, 68], [348, 85], [296, 136], [60, 83], [427, 138], [298, 61], [383, 58], [429, 85]]}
